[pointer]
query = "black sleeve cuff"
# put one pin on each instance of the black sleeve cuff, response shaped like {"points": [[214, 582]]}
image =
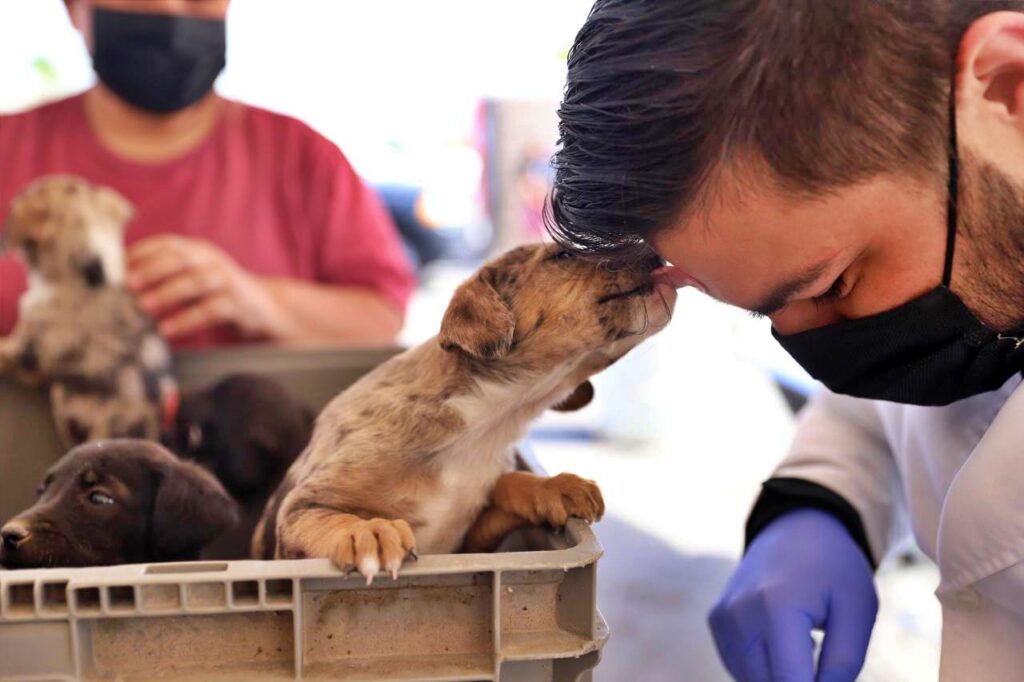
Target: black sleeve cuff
{"points": [[782, 495]]}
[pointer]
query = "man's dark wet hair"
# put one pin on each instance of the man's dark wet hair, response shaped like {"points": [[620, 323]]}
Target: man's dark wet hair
{"points": [[662, 94]]}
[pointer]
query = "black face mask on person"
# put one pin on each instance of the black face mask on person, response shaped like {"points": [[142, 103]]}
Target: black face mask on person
{"points": [[930, 351], [158, 62]]}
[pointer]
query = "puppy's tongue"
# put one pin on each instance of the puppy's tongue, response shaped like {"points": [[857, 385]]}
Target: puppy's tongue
{"points": [[672, 276]]}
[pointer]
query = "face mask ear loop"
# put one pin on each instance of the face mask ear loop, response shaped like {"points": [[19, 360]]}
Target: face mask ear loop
{"points": [[953, 188]]}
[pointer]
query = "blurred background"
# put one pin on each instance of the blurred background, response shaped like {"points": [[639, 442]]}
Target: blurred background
{"points": [[448, 109]]}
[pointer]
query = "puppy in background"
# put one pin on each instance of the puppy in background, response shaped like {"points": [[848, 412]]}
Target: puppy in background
{"points": [[247, 430], [79, 329], [418, 454], [118, 502]]}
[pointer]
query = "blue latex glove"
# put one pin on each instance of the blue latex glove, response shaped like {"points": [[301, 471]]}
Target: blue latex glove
{"points": [[801, 573]]}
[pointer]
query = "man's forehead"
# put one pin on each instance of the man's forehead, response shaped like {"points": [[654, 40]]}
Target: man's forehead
{"points": [[757, 253]]}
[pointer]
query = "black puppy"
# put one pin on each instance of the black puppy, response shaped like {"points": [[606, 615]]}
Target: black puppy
{"points": [[118, 502], [247, 429]]}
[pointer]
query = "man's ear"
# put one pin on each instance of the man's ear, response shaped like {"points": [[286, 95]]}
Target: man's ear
{"points": [[190, 510], [111, 203], [478, 322], [581, 396], [990, 87]]}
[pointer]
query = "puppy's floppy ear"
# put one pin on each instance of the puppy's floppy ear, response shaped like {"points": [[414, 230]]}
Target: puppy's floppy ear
{"points": [[191, 509], [581, 396], [111, 203], [478, 322]]}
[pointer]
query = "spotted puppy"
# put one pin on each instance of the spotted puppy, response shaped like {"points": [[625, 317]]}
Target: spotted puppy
{"points": [[419, 453], [79, 329]]}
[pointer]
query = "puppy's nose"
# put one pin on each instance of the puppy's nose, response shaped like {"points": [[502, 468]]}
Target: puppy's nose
{"points": [[13, 535], [93, 273]]}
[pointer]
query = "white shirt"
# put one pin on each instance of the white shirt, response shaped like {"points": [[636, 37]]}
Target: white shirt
{"points": [[956, 473]]}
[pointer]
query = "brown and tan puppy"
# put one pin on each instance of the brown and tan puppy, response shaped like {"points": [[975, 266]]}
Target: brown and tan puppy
{"points": [[409, 458], [79, 330]]}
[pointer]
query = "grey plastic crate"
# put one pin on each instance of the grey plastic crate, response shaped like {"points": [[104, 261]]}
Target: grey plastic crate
{"points": [[511, 616], [515, 616]]}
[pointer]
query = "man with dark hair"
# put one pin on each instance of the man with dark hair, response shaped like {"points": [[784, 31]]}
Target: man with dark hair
{"points": [[854, 170]]}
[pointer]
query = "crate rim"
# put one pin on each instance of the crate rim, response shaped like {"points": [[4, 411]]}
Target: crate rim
{"points": [[584, 549]]}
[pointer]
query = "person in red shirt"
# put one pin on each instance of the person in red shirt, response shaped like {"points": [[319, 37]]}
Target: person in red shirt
{"points": [[248, 224]]}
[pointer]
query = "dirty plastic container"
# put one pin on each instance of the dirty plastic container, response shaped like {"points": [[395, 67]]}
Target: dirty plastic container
{"points": [[527, 614]]}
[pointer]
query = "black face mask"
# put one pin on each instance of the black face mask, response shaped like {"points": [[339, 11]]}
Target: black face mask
{"points": [[159, 62], [929, 351]]}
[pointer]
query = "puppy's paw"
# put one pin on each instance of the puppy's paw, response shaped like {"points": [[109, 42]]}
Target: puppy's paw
{"points": [[369, 546], [557, 499]]}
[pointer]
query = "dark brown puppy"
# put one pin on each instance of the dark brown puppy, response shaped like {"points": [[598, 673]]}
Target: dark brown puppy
{"points": [[118, 502], [247, 429]]}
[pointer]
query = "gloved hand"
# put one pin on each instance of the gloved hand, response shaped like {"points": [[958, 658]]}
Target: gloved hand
{"points": [[803, 572]]}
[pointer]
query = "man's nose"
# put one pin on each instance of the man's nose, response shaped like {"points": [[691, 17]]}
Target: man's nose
{"points": [[13, 535]]}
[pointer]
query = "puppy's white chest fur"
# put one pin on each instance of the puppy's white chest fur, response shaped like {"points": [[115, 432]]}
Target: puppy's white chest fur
{"points": [[467, 477], [500, 414], [39, 291]]}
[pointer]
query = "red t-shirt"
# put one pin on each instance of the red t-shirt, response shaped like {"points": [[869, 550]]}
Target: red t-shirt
{"points": [[274, 194]]}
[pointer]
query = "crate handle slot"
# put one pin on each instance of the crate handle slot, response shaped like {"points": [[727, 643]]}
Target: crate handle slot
{"points": [[199, 567]]}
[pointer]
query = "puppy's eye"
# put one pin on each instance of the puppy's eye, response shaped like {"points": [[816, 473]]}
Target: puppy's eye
{"points": [[563, 255], [100, 498]]}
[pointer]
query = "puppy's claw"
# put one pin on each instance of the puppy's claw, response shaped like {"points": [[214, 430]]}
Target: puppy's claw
{"points": [[369, 566], [413, 555]]}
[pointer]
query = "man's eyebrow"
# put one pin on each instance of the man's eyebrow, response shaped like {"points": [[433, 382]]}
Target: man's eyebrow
{"points": [[781, 295]]}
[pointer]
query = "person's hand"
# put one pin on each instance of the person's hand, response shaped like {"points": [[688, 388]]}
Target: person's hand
{"points": [[803, 572], [191, 285]]}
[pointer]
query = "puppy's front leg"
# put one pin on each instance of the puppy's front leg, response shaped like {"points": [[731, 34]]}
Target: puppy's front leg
{"points": [[552, 501], [493, 526], [522, 499], [348, 540]]}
